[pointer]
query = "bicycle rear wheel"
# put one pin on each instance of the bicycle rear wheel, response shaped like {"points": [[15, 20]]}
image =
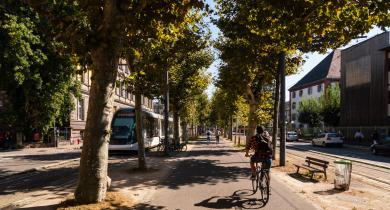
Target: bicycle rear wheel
{"points": [[183, 148], [264, 187]]}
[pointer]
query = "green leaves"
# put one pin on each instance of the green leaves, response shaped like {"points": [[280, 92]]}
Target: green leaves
{"points": [[38, 77], [309, 112]]}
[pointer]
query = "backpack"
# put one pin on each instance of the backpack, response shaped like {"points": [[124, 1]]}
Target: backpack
{"points": [[263, 146]]}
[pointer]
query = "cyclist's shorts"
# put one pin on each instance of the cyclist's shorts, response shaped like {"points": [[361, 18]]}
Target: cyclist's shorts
{"points": [[266, 162]]}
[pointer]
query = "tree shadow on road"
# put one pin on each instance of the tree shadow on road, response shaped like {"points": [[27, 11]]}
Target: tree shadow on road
{"points": [[239, 199], [202, 171]]}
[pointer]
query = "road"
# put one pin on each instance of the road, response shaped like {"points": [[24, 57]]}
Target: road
{"points": [[16, 161], [209, 176], [217, 177]]}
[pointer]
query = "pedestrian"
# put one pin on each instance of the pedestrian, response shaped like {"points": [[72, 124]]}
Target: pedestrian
{"points": [[217, 134], [358, 136], [375, 139]]}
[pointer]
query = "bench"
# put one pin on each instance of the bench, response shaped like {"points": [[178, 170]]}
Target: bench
{"points": [[314, 165]]}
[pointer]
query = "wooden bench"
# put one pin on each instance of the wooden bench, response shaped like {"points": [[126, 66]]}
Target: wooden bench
{"points": [[314, 165]]}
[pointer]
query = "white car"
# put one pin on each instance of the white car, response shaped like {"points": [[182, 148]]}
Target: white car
{"points": [[325, 139], [292, 136]]}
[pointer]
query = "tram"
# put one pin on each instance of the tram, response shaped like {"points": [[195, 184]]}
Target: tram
{"points": [[123, 136]]}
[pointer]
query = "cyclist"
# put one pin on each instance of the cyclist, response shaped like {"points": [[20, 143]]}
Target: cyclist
{"points": [[208, 133], [260, 143]]}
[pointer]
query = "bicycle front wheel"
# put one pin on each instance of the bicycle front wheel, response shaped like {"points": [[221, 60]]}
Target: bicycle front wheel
{"points": [[264, 187]]}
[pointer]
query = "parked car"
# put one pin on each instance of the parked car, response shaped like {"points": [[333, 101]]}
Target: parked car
{"points": [[292, 136], [383, 146], [326, 139]]}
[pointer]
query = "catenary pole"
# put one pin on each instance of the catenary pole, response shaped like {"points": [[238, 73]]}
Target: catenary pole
{"points": [[166, 113], [282, 104]]}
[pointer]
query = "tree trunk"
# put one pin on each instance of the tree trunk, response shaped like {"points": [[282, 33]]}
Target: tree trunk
{"points": [[237, 136], [139, 130], [252, 121], [176, 126], [92, 179], [230, 135], [282, 59], [184, 131], [192, 129], [276, 116]]}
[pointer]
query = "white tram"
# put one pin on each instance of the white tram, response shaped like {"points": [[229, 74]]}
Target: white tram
{"points": [[123, 136]]}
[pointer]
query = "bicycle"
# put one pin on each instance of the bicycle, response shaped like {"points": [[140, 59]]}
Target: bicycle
{"points": [[261, 182]]}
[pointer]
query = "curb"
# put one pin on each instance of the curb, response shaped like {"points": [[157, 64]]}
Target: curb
{"points": [[39, 168]]}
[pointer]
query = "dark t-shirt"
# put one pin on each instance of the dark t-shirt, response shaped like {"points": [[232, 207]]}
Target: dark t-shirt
{"points": [[261, 145]]}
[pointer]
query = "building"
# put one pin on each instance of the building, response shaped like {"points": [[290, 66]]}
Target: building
{"points": [[287, 111], [365, 83], [314, 84], [122, 99]]}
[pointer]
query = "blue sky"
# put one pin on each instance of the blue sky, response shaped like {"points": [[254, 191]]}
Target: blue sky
{"points": [[311, 59]]}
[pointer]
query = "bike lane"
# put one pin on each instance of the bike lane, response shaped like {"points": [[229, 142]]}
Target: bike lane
{"points": [[216, 176]]}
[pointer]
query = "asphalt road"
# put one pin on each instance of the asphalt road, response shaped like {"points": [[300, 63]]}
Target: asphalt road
{"points": [[217, 177], [16, 161]]}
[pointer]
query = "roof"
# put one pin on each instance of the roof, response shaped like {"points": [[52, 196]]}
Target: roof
{"points": [[328, 68]]}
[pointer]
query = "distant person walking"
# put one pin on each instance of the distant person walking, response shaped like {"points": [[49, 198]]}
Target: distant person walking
{"points": [[358, 136], [375, 139], [217, 134]]}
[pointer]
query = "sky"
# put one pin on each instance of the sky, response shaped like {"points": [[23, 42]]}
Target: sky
{"points": [[311, 59]]}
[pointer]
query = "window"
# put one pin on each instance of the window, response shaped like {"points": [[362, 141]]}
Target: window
{"points": [[122, 93], [319, 88], [80, 109], [293, 105], [293, 94], [117, 86], [309, 91], [82, 134], [300, 93]]}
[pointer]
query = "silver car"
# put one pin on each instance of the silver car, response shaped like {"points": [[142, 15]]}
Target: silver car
{"points": [[292, 136], [326, 139]]}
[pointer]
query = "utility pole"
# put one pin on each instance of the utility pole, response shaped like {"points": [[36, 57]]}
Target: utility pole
{"points": [[276, 114], [166, 113], [282, 74]]}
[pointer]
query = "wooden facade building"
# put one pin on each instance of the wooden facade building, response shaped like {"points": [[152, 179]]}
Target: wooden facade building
{"points": [[365, 83]]}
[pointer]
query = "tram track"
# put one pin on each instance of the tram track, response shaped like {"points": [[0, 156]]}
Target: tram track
{"points": [[360, 168]]}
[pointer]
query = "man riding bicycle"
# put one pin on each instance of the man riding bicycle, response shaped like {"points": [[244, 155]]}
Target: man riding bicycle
{"points": [[208, 133], [263, 151]]}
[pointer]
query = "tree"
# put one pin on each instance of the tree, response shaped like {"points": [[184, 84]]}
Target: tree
{"points": [[309, 112], [287, 26], [38, 79], [96, 31], [330, 106], [187, 81]]}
